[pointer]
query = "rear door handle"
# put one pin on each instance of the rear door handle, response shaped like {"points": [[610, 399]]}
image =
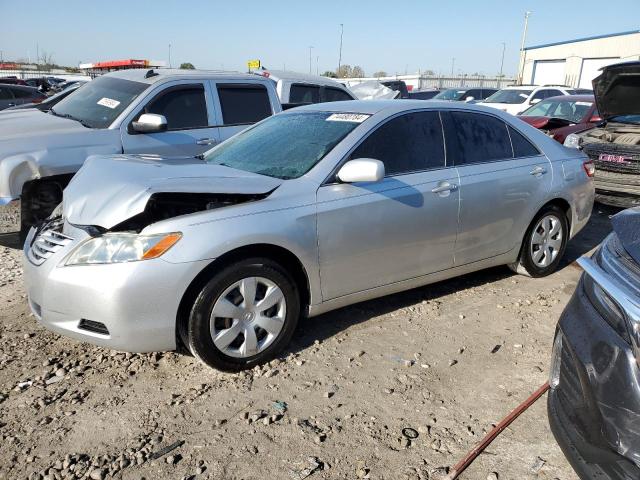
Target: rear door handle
{"points": [[538, 171], [445, 187], [205, 141]]}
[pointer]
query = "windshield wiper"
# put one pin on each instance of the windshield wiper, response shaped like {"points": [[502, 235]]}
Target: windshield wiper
{"points": [[70, 117]]}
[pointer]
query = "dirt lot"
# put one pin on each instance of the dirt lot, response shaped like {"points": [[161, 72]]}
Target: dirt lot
{"points": [[447, 360]]}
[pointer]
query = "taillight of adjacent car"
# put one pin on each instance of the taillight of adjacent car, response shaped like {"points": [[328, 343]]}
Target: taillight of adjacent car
{"points": [[589, 168]]}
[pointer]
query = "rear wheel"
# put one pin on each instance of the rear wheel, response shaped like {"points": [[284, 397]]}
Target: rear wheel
{"points": [[544, 243], [244, 316]]}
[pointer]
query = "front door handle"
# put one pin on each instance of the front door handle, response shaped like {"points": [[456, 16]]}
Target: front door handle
{"points": [[538, 171], [205, 141], [445, 187]]}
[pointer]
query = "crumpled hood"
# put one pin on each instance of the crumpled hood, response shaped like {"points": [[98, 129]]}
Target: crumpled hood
{"points": [[537, 122], [110, 189], [626, 224], [617, 90], [32, 123]]}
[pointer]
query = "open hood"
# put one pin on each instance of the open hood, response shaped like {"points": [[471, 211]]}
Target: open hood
{"points": [[617, 90], [626, 224], [110, 189]]}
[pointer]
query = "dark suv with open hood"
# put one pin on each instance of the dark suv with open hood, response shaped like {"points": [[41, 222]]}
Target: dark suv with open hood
{"points": [[614, 145]]}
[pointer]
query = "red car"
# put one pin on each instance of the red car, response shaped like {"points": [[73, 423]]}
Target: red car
{"points": [[560, 116]]}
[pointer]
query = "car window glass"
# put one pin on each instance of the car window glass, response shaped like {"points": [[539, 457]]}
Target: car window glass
{"points": [[553, 93], [472, 93], [481, 138], [408, 143], [521, 146], [301, 93], [243, 103], [539, 95], [5, 94], [20, 93], [335, 95], [183, 107]]}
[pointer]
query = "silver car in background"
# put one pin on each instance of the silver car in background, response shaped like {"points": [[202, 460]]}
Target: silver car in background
{"points": [[310, 210]]}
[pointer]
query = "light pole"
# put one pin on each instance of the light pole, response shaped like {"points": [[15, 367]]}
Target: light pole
{"points": [[310, 68], [453, 63], [340, 51], [504, 46], [522, 52], [317, 67], [169, 55]]}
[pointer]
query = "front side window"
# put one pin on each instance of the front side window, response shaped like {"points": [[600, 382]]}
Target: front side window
{"points": [[183, 107], [335, 95], [21, 93], [302, 93], [286, 145], [243, 104], [509, 96], [5, 94], [408, 143], [480, 138], [100, 101]]}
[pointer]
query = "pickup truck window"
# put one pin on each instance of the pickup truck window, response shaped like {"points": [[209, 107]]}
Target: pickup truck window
{"points": [[302, 93], [243, 104], [100, 101], [183, 107], [5, 94], [335, 95]]}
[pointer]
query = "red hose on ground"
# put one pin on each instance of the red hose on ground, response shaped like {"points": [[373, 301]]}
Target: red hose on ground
{"points": [[491, 436]]}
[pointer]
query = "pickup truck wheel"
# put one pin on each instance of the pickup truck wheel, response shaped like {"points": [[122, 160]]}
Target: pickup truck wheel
{"points": [[544, 244], [39, 199], [244, 316]]}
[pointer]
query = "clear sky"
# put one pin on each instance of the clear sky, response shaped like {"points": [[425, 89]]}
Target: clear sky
{"points": [[393, 36]]}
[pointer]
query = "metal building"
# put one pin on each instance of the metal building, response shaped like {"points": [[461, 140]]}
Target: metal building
{"points": [[576, 62]]}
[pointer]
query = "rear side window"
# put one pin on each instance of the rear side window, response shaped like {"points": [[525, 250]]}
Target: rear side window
{"points": [[301, 93], [335, 95], [479, 138], [521, 146], [5, 94], [408, 143], [20, 93], [183, 108], [243, 104]]}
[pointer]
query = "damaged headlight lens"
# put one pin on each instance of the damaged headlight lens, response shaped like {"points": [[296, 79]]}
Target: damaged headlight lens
{"points": [[122, 247], [573, 141]]}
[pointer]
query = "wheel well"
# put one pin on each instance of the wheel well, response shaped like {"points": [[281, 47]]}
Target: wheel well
{"points": [[278, 254], [564, 206], [37, 202]]}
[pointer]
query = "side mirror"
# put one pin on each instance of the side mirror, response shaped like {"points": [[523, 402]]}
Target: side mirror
{"points": [[535, 100], [595, 119], [150, 123], [469, 99], [361, 170]]}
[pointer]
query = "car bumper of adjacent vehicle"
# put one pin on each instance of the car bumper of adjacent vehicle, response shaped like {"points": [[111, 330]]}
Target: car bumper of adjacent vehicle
{"points": [[9, 215], [594, 402], [124, 306]]}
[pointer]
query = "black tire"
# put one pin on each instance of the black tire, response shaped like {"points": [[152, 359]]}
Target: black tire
{"points": [[526, 264], [200, 341]]}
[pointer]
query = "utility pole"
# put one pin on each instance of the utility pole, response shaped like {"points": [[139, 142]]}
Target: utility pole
{"points": [[453, 63], [504, 46], [169, 55], [317, 63], [310, 68], [340, 52], [522, 52]]}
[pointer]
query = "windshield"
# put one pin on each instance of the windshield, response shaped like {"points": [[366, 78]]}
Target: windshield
{"points": [[572, 111], [287, 145], [451, 94], [98, 103], [633, 119], [511, 96]]}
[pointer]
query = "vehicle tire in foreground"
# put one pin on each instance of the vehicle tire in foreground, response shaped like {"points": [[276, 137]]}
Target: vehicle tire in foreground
{"points": [[544, 243], [244, 316]]}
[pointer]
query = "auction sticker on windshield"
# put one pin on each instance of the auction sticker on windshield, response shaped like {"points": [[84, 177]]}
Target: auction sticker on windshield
{"points": [[348, 117], [108, 102]]}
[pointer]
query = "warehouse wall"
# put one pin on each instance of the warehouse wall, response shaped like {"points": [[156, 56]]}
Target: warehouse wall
{"points": [[617, 48]]}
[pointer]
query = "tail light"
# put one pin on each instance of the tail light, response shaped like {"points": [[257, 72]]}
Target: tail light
{"points": [[589, 168]]}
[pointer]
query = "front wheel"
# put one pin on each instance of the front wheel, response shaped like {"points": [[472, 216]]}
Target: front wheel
{"points": [[544, 243], [244, 316]]}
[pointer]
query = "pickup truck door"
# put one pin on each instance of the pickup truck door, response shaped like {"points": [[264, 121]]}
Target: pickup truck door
{"points": [[241, 103], [189, 108]]}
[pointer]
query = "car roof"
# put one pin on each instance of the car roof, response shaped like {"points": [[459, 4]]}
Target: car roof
{"points": [[161, 74]]}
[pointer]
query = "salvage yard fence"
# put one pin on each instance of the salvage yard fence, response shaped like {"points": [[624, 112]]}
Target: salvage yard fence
{"points": [[426, 82]]}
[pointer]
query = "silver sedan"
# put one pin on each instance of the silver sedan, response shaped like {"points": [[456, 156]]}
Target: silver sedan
{"points": [[308, 211]]}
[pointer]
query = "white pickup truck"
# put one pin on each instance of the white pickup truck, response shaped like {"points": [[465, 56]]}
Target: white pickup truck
{"points": [[165, 112]]}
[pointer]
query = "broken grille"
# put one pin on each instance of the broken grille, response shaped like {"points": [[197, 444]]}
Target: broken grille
{"points": [[48, 240]]}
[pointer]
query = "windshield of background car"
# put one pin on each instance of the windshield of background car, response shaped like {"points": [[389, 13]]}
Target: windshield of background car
{"points": [[634, 119], [451, 94], [509, 96], [573, 111], [98, 103], [285, 146]]}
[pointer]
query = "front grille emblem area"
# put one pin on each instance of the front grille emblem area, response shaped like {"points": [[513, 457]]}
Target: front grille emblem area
{"points": [[48, 240]]}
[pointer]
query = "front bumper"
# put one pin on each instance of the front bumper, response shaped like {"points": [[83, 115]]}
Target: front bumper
{"points": [[10, 215], [594, 410], [616, 188], [137, 302]]}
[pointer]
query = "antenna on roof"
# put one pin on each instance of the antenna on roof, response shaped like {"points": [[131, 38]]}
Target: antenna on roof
{"points": [[151, 73]]}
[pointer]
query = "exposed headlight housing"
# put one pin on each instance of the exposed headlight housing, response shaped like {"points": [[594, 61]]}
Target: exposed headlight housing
{"points": [[121, 248], [573, 141], [57, 212]]}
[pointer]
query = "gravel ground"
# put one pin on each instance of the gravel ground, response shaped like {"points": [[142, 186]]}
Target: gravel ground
{"points": [[447, 360]]}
